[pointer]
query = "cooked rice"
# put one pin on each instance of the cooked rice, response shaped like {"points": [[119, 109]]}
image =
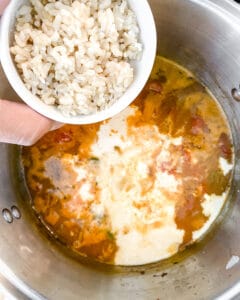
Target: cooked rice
{"points": [[76, 55]]}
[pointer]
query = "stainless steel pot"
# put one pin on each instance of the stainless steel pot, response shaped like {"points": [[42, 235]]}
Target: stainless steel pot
{"points": [[203, 36]]}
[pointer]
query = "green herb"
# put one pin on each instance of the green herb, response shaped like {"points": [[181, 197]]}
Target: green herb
{"points": [[94, 159], [110, 236]]}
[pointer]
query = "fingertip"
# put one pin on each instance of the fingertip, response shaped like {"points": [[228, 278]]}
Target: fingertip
{"points": [[22, 125], [56, 125]]}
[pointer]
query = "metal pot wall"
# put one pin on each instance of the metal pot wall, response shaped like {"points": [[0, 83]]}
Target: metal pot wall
{"points": [[203, 36]]}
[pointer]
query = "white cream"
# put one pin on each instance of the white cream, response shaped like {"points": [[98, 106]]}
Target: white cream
{"points": [[122, 178], [112, 134], [212, 206], [136, 248], [85, 193], [225, 166], [137, 193]]}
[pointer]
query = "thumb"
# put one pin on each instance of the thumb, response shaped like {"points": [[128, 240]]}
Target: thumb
{"points": [[21, 125], [3, 5]]}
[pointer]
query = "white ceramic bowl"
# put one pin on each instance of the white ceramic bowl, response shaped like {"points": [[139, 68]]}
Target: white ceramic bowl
{"points": [[142, 67]]}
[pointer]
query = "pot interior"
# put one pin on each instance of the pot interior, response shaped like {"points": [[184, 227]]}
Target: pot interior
{"points": [[204, 38]]}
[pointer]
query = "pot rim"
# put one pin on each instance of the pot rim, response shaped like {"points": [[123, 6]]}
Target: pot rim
{"points": [[228, 10]]}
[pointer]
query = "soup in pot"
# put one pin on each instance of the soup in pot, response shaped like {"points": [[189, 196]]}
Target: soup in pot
{"points": [[139, 187]]}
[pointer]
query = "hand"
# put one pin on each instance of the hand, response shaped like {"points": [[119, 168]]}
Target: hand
{"points": [[3, 4], [19, 124]]}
